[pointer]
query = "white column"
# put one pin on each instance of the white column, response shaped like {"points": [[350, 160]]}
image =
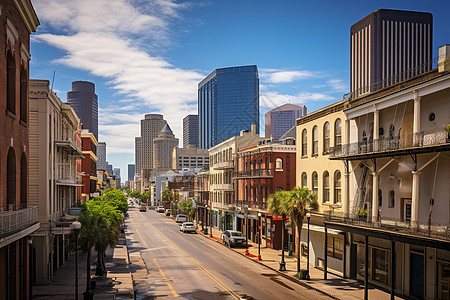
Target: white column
{"points": [[347, 131], [416, 121], [415, 198], [346, 193], [376, 126], [375, 197]]}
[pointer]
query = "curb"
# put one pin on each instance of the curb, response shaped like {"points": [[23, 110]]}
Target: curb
{"points": [[293, 279]]}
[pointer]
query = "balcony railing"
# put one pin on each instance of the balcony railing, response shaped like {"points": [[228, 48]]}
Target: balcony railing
{"points": [[12, 221], [440, 231], [221, 187], [67, 173], [257, 204], [258, 173], [389, 144], [229, 164]]}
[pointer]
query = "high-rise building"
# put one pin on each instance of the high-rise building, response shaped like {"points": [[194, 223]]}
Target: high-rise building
{"points": [[163, 146], [84, 101], [151, 126], [282, 118], [109, 168], [190, 131], [228, 102], [389, 46], [137, 157], [116, 171], [101, 155], [190, 157], [131, 171]]}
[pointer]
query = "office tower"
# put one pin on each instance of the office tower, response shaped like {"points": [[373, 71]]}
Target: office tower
{"points": [[282, 118], [228, 102], [190, 157], [190, 131], [163, 146], [151, 126], [85, 103], [116, 171], [101, 155], [131, 170], [137, 156], [389, 46], [109, 168]]}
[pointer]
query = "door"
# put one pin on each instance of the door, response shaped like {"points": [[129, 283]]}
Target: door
{"points": [[416, 275], [406, 210]]}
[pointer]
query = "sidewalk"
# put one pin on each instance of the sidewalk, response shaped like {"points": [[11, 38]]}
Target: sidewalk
{"points": [[118, 283], [335, 286]]}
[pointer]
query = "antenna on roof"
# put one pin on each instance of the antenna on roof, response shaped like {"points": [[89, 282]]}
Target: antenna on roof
{"points": [[53, 79]]}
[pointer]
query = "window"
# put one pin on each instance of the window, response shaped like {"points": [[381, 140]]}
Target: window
{"points": [[335, 247], [380, 265], [304, 180], [326, 137], [10, 83], [315, 178], [11, 179], [23, 181], [279, 164], [23, 94], [337, 133], [391, 199], [391, 131], [326, 187], [267, 163], [315, 149], [304, 143], [337, 187]]}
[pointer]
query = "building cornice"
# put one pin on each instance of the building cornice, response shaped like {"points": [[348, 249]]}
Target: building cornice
{"points": [[28, 14]]}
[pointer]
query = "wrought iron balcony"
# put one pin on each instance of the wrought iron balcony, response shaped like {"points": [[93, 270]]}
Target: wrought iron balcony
{"points": [[249, 204], [256, 173], [229, 164], [221, 187], [67, 174], [13, 221], [440, 231], [386, 146], [70, 146]]}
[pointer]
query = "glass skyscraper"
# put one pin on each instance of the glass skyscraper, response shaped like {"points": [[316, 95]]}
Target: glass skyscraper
{"points": [[228, 102]]}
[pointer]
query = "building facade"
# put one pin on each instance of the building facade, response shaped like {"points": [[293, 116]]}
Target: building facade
{"points": [[55, 149], [84, 101], [387, 47], [163, 146], [190, 157], [18, 21], [137, 157], [89, 164], [131, 171], [282, 118], [101, 154], [228, 102], [190, 131]]}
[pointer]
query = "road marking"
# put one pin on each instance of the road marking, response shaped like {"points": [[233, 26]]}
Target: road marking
{"points": [[223, 285], [140, 236], [165, 278]]}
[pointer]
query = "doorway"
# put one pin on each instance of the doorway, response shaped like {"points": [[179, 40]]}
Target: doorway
{"points": [[416, 275]]}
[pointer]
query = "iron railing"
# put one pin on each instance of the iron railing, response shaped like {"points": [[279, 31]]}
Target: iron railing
{"points": [[435, 230], [12, 221], [256, 204], [221, 187], [229, 164], [387, 144], [254, 173]]}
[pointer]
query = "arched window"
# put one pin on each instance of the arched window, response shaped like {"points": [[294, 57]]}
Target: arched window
{"points": [[337, 133], [304, 180], [326, 187], [337, 187], [326, 137], [279, 164], [315, 149], [23, 94], [11, 179], [267, 163], [11, 83], [304, 143], [315, 179], [23, 181]]}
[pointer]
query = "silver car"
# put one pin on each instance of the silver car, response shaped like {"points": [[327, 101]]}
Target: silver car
{"points": [[233, 238], [187, 227]]}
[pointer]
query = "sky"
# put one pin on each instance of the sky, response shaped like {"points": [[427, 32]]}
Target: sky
{"points": [[148, 56]]}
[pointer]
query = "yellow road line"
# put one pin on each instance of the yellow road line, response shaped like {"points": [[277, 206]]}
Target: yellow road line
{"points": [[140, 236], [164, 277], [223, 285]]}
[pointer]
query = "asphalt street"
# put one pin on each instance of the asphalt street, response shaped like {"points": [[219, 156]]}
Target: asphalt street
{"points": [[167, 263]]}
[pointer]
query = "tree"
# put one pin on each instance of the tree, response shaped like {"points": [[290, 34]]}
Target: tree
{"points": [[167, 195], [187, 209], [278, 205], [298, 202]]}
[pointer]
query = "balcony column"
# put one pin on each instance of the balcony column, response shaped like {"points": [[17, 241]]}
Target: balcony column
{"points": [[376, 126], [416, 120], [375, 197], [415, 198], [347, 131], [346, 199]]}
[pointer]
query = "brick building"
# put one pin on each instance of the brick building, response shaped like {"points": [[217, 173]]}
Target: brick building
{"points": [[89, 164], [17, 21]]}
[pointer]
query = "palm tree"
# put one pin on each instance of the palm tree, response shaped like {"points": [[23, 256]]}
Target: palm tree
{"points": [[278, 206], [299, 202]]}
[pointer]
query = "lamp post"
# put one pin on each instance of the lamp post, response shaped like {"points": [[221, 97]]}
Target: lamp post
{"points": [[76, 228], [210, 223], [308, 216], [259, 236], [205, 231]]}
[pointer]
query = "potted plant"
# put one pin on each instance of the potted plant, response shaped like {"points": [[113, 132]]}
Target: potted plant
{"points": [[362, 214], [447, 128]]}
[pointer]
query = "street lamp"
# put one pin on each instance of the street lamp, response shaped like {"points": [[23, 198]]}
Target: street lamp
{"points": [[259, 236], [308, 216], [76, 228], [205, 231], [210, 223]]}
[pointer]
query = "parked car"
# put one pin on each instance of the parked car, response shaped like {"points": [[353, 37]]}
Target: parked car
{"points": [[168, 212], [233, 238], [180, 218], [143, 208], [160, 209], [187, 227]]}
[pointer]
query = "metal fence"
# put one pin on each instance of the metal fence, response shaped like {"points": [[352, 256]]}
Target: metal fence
{"points": [[441, 231], [255, 173], [11, 221], [251, 204]]}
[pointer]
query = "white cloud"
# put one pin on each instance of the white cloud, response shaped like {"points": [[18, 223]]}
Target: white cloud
{"points": [[338, 85], [282, 76]]}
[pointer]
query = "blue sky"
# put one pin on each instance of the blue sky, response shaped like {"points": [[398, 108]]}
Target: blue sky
{"points": [[149, 55]]}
